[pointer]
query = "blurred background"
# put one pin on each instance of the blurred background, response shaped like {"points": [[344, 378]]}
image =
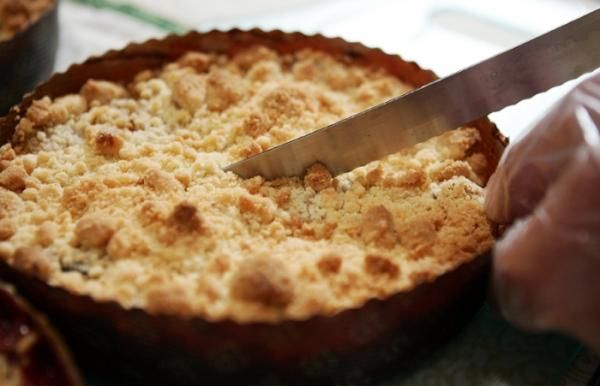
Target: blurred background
{"points": [[443, 35]]}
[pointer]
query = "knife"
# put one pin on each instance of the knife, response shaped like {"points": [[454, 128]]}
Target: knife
{"points": [[505, 79]]}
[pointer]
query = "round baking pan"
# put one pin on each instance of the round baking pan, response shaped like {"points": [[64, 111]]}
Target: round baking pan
{"points": [[27, 58], [352, 347]]}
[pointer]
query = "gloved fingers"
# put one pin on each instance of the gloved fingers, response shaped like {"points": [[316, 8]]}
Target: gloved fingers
{"points": [[532, 163], [546, 268]]}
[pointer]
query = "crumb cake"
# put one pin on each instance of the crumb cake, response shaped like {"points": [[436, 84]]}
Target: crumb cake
{"points": [[118, 192], [15, 15]]}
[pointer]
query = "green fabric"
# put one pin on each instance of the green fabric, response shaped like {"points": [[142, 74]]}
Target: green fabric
{"points": [[136, 13]]}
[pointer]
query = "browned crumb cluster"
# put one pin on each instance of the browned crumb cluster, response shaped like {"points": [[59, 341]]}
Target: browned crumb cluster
{"points": [[15, 15], [118, 192]]}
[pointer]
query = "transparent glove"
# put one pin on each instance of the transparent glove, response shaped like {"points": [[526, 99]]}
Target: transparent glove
{"points": [[547, 265]]}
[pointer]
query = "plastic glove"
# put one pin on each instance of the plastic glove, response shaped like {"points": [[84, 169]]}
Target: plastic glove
{"points": [[547, 266]]}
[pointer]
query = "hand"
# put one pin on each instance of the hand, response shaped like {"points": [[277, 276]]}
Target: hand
{"points": [[547, 266]]}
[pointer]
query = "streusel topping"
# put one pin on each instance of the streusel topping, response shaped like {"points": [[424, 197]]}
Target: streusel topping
{"points": [[118, 193]]}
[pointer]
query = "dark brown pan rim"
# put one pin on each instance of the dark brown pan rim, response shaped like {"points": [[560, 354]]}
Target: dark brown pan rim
{"points": [[378, 332], [45, 361]]}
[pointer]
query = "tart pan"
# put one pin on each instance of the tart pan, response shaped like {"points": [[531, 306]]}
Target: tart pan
{"points": [[352, 347], [28, 57], [31, 346]]}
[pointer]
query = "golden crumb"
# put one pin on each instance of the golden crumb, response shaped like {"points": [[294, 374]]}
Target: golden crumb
{"points": [[77, 197], [7, 153], [256, 124], [160, 182], [378, 227], [101, 91], [257, 54], [448, 170], [253, 184], [283, 196], [7, 229], [4, 164], [285, 101], [32, 260], [249, 149], [381, 266], [223, 89], [419, 234], [108, 144], [46, 233], [261, 209], [44, 112], [188, 91], [94, 231], [263, 280], [185, 217], [13, 178], [318, 177], [72, 104], [10, 203], [197, 60], [171, 299], [330, 264], [39, 113]]}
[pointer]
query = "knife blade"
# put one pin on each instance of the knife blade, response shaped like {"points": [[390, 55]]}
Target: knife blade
{"points": [[489, 86]]}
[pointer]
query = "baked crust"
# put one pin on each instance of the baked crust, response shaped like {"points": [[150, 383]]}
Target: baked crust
{"points": [[129, 177]]}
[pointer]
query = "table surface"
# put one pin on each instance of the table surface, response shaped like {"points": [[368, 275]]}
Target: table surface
{"points": [[444, 35]]}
